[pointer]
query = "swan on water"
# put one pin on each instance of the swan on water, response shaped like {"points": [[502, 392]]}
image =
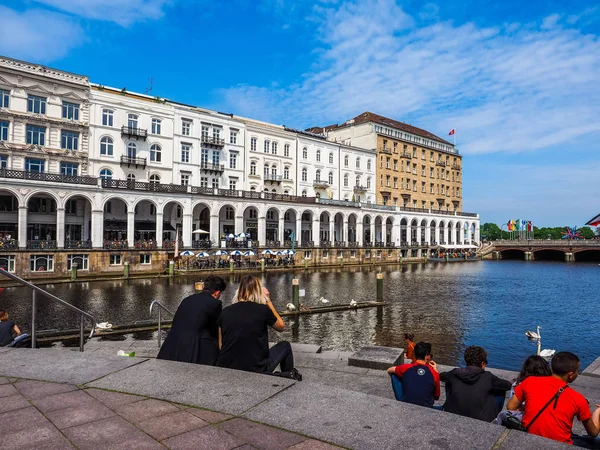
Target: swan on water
{"points": [[547, 353], [104, 326], [532, 335], [537, 336], [353, 302], [290, 307], [324, 300]]}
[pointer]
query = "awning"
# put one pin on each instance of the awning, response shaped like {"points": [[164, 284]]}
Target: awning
{"points": [[457, 246], [141, 225]]}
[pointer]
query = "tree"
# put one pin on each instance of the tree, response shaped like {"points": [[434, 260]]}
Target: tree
{"points": [[490, 231], [587, 233]]}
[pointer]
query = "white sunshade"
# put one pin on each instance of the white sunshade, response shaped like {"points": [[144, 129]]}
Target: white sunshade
{"points": [[457, 246], [200, 231]]}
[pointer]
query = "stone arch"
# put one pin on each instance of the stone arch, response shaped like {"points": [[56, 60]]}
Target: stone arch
{"points": [[10, 201], [352, 227], [42, 222], [379, 233], [389, 230], [306, 229], [325, 220], [404, 231], [339, 234], [78, 220], [289, 225], [367, 221], [227, 215], [272, 225]]}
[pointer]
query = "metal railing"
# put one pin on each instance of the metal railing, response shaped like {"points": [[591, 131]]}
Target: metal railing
{"points": [[160, 309], [37, 290]]}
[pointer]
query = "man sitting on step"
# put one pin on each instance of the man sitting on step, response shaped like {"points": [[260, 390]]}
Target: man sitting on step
{"points": [[417, 383]]}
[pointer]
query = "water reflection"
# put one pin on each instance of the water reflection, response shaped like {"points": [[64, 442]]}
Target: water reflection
{"points": [[450, 305]]}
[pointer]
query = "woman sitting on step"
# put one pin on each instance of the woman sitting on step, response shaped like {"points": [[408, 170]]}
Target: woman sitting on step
{"points": [[7, 328], [243, 332]]}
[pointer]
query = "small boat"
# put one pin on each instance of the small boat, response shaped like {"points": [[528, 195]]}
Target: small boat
{"points": [[104, 326]]}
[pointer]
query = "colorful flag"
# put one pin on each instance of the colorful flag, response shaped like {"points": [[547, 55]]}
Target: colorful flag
{"points": [[509, 225], [529, 226], [518, 225], [452, 131]]}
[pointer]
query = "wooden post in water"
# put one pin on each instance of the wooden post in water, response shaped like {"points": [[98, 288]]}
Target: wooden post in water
{"points": [[231, 266], [296, 293], [171, 268], [126, 269], [262, 265], [379, 287], [73, 271]]}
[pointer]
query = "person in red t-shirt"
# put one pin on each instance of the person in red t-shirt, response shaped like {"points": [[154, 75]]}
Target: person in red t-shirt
{"points": [[419, 382], [556, 421]]}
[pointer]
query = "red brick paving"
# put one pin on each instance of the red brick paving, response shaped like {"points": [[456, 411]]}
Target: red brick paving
{"points": [[43, 415]]}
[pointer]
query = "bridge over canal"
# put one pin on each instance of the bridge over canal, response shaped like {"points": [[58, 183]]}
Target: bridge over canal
{"points": [[545, 249]]}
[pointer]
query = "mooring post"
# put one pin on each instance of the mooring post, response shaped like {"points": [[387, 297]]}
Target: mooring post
{"points": [[171, 268], [379, 287], [231, 266], [296, 293], [126, 269], [447, 257], [262, 265], [199, 285], [73, 271], [305, 264], [342, 261]]}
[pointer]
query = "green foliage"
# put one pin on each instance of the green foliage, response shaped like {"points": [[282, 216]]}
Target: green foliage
{"points": [[490, 231], [587, 233]]}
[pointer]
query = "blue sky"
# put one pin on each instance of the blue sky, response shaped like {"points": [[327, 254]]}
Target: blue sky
{"points": [[518, 80]]}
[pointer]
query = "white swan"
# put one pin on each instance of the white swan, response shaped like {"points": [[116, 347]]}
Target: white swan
{"points": [[324, 300], [532, 335], [353, 302], [290, 307], [104, 326], [547, 353]]}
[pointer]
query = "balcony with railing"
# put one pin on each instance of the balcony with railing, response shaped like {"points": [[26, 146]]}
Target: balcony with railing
{"points": [[75, 244], [202, 244], [456, 166], [386, 150], [42, 176], [134, 132], [360, 189], [339, 244], [212, 140], [441, 163], [406, 155], [320, 184], [8, 244], [206, 166], [130, 161], [115, 244], [41, 244], [273, 178]]}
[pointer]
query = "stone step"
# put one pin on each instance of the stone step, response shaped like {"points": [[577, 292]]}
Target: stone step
{"points": [[377, 357]]}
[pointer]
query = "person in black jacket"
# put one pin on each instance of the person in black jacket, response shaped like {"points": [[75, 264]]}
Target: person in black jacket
{"points": [[193, 335], [473, 392]]}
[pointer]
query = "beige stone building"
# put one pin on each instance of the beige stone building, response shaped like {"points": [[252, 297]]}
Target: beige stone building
{"points": [[415, 168]]}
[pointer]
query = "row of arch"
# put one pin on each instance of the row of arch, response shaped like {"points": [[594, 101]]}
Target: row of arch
{"points": [[81, 216]]}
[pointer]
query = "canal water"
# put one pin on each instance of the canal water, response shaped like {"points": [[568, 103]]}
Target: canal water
{"points": [[451, 305]]}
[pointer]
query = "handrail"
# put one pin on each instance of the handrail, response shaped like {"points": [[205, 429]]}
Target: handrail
{"points": [[160, 308], [36, 290]]}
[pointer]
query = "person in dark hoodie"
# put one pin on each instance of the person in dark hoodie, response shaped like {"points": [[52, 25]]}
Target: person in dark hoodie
{"points": [[471, 391]]}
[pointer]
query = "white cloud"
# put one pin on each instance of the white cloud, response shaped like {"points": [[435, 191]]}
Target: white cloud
{"points": [[122, 12], [508, 88], [37, 35]]}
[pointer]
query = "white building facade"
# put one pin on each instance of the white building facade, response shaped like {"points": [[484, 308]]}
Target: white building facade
{"points": [[87, 168]]}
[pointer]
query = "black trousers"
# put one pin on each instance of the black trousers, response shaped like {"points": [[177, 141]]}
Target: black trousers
{"points": [[281, 354]]}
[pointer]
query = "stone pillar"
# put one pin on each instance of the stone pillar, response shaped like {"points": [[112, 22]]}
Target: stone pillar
{"points": [[22, 227], [360, 236], [298, 232], [215, 235], [316, 227], [131, 229], [419, 234], [345, 232], [187, 230], [280, 228], [428, 235], [60, 228], [262, 231], [569, 257], [373, 237], [97, 229], [159, 229], [86, 235], [461, 235], [331, 230], [528, 256], [239, 225], [477, 234], [450, 232]]}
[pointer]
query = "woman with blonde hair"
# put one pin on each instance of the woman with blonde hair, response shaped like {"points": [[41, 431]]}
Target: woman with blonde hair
{"points": [[243, 332]]}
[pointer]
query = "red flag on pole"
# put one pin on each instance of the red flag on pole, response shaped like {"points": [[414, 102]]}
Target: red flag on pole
{"points": [[451, 132]]}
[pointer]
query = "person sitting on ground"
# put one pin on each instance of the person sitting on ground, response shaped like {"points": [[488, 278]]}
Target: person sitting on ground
{"points": [[409, 338], [473, 392], [193, 335], [8, 329], [556, 420], [243, 332], [534, 366], [417, 383]]}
